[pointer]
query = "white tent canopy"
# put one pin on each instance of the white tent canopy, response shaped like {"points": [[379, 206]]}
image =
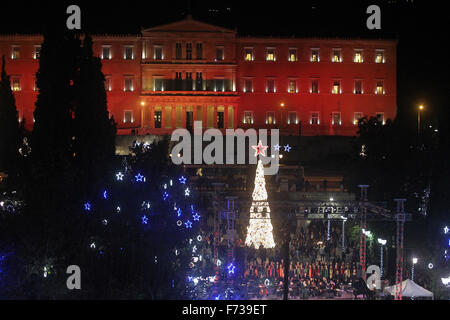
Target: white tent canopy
{"points": [[410, 289]]}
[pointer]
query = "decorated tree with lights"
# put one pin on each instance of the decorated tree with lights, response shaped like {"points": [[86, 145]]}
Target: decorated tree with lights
{"points": [[259, 231]]}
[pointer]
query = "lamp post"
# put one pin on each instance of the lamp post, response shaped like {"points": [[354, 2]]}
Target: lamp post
{"points": [[344, 220], [382, 242], [414, 261], [281, 114], [142, 114], [421, 107]]}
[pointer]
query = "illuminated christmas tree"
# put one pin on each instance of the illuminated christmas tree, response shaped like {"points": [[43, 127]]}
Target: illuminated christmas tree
{"points": [[259, 231]]}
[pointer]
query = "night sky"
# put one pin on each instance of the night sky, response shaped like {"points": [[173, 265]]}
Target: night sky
{"points": [[421, 28]]}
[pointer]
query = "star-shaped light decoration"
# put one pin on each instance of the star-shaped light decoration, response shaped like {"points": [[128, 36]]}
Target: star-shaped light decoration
{"points": [[196, 217], [231, 268], [144, 219], [187, 192], [287, 148], [277, 147], [139, 178], [260, 149], [119, 176], [87, 206], [188, 224], [182, 180]]}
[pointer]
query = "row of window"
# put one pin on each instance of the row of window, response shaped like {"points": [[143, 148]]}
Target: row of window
{"points": [[336, 55], [314, 118], [15, 52]]}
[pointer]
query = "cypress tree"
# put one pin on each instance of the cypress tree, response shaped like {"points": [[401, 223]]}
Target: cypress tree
{"points": [[95, 132], [9, 124]]}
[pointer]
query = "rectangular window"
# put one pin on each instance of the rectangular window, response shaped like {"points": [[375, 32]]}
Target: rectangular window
{"points": [[128, 116], [248, 54], [178, 51], [336, 57], [158, 118], [188, 51], [108, 83], [128, 53], [15, 54], [358, 87], [106, 52], [128, 85], [210, 117], [314, 118], [198, 81], [358, 57], [379, 56], [168, 117], [356, 117], [315, 86], [158, 53], [248, 117], [270, 56], [159, 85], [230, 117], [292, 55], [292, 86], [270, 118], [336, 87], [292, 118], [315, 55], [37, 52], [248, 85], [220, 117], [199, 51], [199, 113], [179, 116], [270, 86], [336, 120], [15, 84], [380, 89], [219, 85], [219, 54]]}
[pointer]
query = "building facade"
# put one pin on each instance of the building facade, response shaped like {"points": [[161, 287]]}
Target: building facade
{"points": [[169, 76]]}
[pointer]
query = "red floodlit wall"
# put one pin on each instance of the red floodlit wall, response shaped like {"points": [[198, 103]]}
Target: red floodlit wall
{"points": [[171, 75]]}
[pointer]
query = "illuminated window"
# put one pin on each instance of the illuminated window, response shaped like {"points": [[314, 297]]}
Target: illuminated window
{"points": [[248, 85], [219, 54], [157, 117], [248, 117], [358, 58], [15, 84], [37, 52], [188, 51], [336, 57], [128, 53], [292, 86], [315, 86], [128, 85], [336, 87], [15, 54], [270, 86], [270, 118], [380, 89], [315, 55], [336, 119], [199, 51], [292, 118], [128, 116], [270, 54], [356, 117], [108, 83], [219, 85], [379, 56], [158, 54], [159, 85], [292, 55], [248, 54], [106, 52], [358, 87], [314, 118]]}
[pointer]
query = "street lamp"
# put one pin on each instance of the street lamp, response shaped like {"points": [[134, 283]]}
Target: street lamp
{"points": [[421, 107], [344, 220], [142, 114], [382, 242], [281, 112], [414, 261]]}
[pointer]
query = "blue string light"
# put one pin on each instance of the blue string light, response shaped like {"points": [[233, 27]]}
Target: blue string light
{"points": [[144, 219], [231, 268], [140, 178], [165, 196], [179, 212], [196, 217], [287, 148], [87, 206], [188, 224], [182, 180], [105, 194]]}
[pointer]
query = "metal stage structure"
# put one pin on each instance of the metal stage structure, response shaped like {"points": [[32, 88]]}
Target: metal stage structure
{"points": [[362, 210]]}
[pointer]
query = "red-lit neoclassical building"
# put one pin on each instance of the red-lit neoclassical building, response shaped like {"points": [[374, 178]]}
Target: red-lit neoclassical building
{"points": [[171, 75]]}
